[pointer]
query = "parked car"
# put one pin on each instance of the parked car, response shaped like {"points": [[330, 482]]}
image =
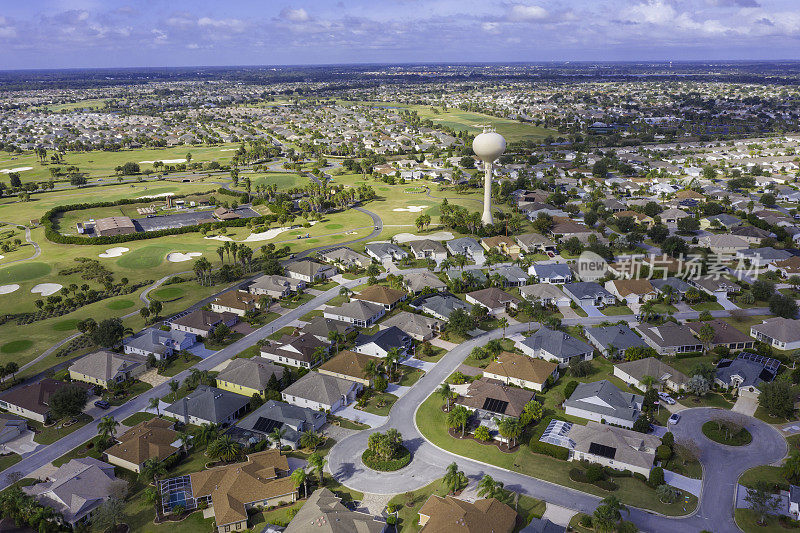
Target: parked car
{"points": [[102, 404], [550, 254], [666, 398], [674, 418]]}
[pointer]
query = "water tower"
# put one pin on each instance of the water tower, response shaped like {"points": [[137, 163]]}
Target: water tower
{"points": [[488, 146]]}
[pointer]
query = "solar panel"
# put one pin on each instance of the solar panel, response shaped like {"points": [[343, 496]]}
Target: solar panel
{"points": [[602, 450], [494, 405], [266, 425]]}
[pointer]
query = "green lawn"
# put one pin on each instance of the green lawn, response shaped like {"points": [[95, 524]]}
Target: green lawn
{"points": [[742, 438], [747, 521], [372, 405], [345, 423], [707, 306], [768, 473], [296, 301], [410, 375], [7, 461], [408, 515], [135, 389], [616, 310], [137, 418], [87, 449], [286, 330], [247, 353], [178, 364], [167, 293], [48, 435]]}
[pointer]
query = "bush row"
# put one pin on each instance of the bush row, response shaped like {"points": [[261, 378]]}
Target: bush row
{"points": [[578, 475], [545, 448]]}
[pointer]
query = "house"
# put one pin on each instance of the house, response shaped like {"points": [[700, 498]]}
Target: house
{"points": [[724, 335], [671, 216], [677, 286], [746, 373], [209, 405], [292, 420], [231, 491], [778, 332], [418, 327], [763, 256], [321, 328], [532, 243], [106, 368], [557, 273], [632, 373], [490, 399], [601, 401], [349, 365], [273, 286], [522, 371], [511, 275], [566, 228], [152, 439], [201, 322], [723, 220], [618, 448], [236, 302], [76, 489], [495, 300], [321, 392], [440, 305], [632, 291], [323, 512], [670, 338], [31, 401], [360, 314], [385, 251], [752, 234], [503, 244], [544, 293], [380, 295], [345, 258], [448, 514], [543, 525], [304, 351], [416, 282], [723, 243], [794, 501], [309, 271], [249, 376], [613, 340], [589, 292], [639, 218], [787, 267], [714, 285], [380, 343], [11, 427], [556, 346], [428, 249], [160, 344], [468, 247]]}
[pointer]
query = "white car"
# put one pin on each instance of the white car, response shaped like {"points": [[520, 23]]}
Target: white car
{"points": [[666, 398]]}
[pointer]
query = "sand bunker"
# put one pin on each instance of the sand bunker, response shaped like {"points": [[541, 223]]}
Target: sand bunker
{"points": [[180, 257], [163, 194], [165, 161], [438, 236], [2, 257], [18, 169], [218, 238], [6, 289], [228, 149], [114, 252], [46, 289], [412, 208]]}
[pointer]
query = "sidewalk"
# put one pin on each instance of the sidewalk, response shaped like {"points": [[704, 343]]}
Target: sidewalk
{"points": [[694, 486], [351, 413]]}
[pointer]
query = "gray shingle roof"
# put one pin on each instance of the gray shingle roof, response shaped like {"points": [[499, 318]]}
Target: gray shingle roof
{"points": [[321, 388], [253, 373], [209, 403], [613, 402], [557, 343], [621, 337]]}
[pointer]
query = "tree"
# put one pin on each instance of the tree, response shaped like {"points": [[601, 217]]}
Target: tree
{"points": [[608, 513], [276, 435], [174, 385], [489, 488], [674, 247], [503, 323], [109, 515], [446, 393], [706, 336], [777, 397], [458, 417], [658, 233], [761, 501], [11, 368], [155, 403], [698, 385], [688, 224], [108, 333], [509, 429], [791, 468], [667, 494], [317, 463], [310, 439], [299, 477], [224, 448], [767, 199], [783, 306], [206, 434], [762, 290], [153, 470], [107, 427], [68, 401], [460, 322], [454, 479]]}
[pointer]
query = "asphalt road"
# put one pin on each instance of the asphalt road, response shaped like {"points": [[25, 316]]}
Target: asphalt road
{"points": [[36, 249]]}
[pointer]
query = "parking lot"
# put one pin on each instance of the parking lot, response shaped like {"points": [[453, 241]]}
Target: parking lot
{"points": [[187, 218]]}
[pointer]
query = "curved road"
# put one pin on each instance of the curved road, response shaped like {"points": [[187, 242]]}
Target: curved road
{"points": [[36, 249], [723, 465]]}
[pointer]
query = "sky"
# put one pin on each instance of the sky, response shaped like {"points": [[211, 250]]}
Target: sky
{"points": [[150, 33]]}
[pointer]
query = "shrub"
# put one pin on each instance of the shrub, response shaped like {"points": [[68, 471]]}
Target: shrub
{"points": [[371, 460], [545, 448], [482, 433], [570, 388], [663, 452], [641, 477], [595, 472], [586, 520], [656, 477]]}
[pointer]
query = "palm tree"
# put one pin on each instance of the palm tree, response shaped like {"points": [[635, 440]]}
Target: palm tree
{"points": [[224, 448], [458, 417], [206, 433], [311, 439], [648, 382], [154, 469], [446, 393], [299, 477], [489, 488], [372, 370], [706, 336], [453, 478], [503, 324], [107, 427], [392, 356], [317, 462], [791, 468], [155, 403], [276, 435], [185, 437], [509, 428], [173, 387], [335, 337]]}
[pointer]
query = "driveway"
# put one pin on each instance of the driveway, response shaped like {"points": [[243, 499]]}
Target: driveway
{"points": [[727, 304], [21, 445], [694, 486], [568, 312], [201, 351], [591, 310], [356, 415], [746, 406]]}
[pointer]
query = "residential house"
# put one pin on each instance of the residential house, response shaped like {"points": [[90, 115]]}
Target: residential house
{"points": [[786, 267], [671, 216], [678, 286], [440, 305], [418, 327], [544, 293], [566, 228], [349, 365], [236, 302], [632, 291], [380, 343], [380, 295], [589, 293], [428, 249], [106, 368], [321, 328], [510, 275], [345, 258], [249, 376], [617, 448], [416, 282], [76, 489], [468, 247], [160, 344], [321, 392], [444, 515], [670, 338], [716, 286], [601, 401], [11, 427], [532, 243], [274, 286], [152, 439], [778, 332], [746, 373], [360, 314], [324, 512], [522, 371], [762, 257], [723, 243], [310, 271], [303, 351], [201, 322], [613, 340], [495, 300], [209, 405], [556, 346], [723, 220], [32, 400], [724, 335], [633, 373], [752, 234], [490, 399], [292, 420], [505, 245], [553, 273], [385, 251]]}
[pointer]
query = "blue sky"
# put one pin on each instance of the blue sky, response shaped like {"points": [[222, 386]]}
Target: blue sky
{"points": [[122, 33]]}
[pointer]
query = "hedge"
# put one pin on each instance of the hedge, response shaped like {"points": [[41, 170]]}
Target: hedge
{"points": [[578, 475], [371, 461], [52, 235], [545, 448], [688, 355]]}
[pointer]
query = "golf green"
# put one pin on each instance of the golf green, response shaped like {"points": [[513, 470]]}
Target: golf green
{"points": [[333, 226], [146, 257], [24, 272], [119, 304], [168, 293], [66, 325], [16, 346]]}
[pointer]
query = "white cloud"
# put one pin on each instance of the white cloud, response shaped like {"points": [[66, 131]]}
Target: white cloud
{"points": [[653, 12], [526, 13], [294, 15]]}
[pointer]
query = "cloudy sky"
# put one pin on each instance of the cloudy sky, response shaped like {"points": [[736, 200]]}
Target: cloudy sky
{"points": [[120, 33]]}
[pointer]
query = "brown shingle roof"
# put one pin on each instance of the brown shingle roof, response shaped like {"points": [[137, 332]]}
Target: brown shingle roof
{"points": [[148, 439], [35, 397], [482, 389], [348, 363], [520, 366], [633, 286], [380, 295], [449, 514]]}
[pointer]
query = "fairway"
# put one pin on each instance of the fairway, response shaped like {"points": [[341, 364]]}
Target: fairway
{"points": [[120, 304], [283, 180], [23, 272], [146, 257], [66, 325], [16, 346], [167, 293]]}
